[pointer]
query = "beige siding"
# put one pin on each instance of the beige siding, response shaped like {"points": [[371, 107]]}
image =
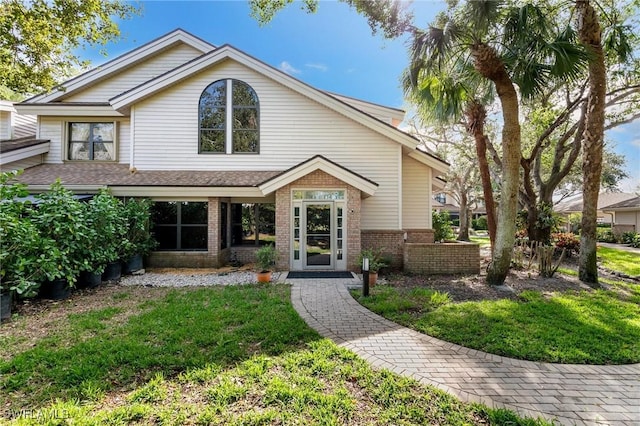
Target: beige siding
{"points": [[153, 67], [23, 125], [54, 129], [416, 193], [628, 218], [5, 125], [293, 129]]}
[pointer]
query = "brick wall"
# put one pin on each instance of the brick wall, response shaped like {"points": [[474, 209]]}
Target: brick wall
{"points": [[420, 235], [391, 243], [244, 254], [181, 259], [442, 258], [316, 180]]}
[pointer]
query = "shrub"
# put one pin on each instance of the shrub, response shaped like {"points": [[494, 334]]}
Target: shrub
{"points": [[376, 259], [628, 237], [62, 218], [137, 213], [23, 251], [605, 235], [480, 224], [636, 241], [567, 241], [266, 257], [108, 229], [442, 226]]}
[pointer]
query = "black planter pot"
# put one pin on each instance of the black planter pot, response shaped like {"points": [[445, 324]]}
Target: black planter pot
{"points": [[5, 305], [55, 290], [112, 272], [133, 264], [89, 279]]}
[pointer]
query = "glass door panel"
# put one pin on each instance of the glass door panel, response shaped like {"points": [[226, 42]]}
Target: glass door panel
{"points": [[318, 236]]}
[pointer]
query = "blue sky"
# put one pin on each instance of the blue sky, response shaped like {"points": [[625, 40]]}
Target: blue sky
{"points": [[332, 49]]}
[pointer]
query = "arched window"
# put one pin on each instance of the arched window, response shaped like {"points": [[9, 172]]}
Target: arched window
{"points": [[229, 118]]}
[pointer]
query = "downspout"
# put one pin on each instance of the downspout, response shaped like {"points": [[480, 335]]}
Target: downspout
{"points": [[400, 207]]}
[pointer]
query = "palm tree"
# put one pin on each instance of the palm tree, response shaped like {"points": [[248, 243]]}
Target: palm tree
{"points": [[508, 47], [590, 35]]}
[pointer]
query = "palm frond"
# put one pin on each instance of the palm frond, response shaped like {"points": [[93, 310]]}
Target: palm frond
{"points": [[617, 42], [482, 13]]}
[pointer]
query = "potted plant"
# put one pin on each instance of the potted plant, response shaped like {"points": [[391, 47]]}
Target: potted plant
{"points": [[61, 218], [137, 212], [376, 262], [266, 257]]}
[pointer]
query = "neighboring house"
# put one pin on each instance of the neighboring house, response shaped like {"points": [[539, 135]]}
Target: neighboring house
{"points": [[605, 199], [626, 215], [218, 138]]}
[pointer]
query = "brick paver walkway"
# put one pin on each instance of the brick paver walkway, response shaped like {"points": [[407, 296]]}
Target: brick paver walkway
{"points": [[569, 394]]}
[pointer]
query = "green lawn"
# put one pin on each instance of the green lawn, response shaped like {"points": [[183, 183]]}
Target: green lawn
{"points": [[228, 356], [587, 327], [482, 241], [620, 261]]}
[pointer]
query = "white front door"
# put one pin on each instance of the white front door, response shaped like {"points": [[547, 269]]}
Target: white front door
{"points": [[318, 230], [318, 239]]}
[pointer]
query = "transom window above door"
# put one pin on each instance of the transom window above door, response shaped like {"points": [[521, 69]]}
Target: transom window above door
{"points": [[228, 118], [91, 141]]}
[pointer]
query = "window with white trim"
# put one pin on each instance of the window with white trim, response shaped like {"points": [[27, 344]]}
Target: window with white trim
{"points": [[228, 118], [91, 141]]}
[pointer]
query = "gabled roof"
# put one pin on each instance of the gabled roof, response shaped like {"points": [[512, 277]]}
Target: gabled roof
{"points": [[126, 99], [630, 204], [605, 199], [318, 162], [124, 61]]}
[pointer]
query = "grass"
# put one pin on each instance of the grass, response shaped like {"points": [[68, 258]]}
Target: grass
{"points": [[620, 261], [586, 327], [227, 356], [482, 241]]}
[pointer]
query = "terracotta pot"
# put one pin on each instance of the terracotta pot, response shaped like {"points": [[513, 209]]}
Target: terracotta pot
{"points": [[264, 276], [373, 278]]}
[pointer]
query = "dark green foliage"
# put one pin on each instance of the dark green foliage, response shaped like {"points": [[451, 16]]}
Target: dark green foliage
{"points": [[442, 226]]}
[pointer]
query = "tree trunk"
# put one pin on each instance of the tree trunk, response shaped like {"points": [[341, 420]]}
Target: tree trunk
{"points": [[463, 234], [487, 62], [589, 32], [476, 115]]}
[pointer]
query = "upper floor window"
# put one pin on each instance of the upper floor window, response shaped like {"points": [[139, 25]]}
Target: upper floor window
{"points": [[441, 198], [229, 118], [91, 141]]}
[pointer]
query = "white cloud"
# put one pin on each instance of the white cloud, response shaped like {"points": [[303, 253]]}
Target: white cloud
{"points": [[288, 68], [319, 67]]}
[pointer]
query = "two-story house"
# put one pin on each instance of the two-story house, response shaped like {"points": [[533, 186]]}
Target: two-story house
{"points": [[218, 138]]}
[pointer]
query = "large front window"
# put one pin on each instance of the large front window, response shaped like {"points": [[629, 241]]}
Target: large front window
{"points": [[253, 224], [180, 225], [228, 118], [91, 141]]}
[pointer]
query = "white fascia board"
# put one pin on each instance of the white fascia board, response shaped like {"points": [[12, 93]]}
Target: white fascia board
{"points": [[437, 183], [382, 110], [368, 188], [184, 191], [7, 106], [91, 189], [171, 78], [438, 166], [68, 110], [102, 71], [21, 154]]}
